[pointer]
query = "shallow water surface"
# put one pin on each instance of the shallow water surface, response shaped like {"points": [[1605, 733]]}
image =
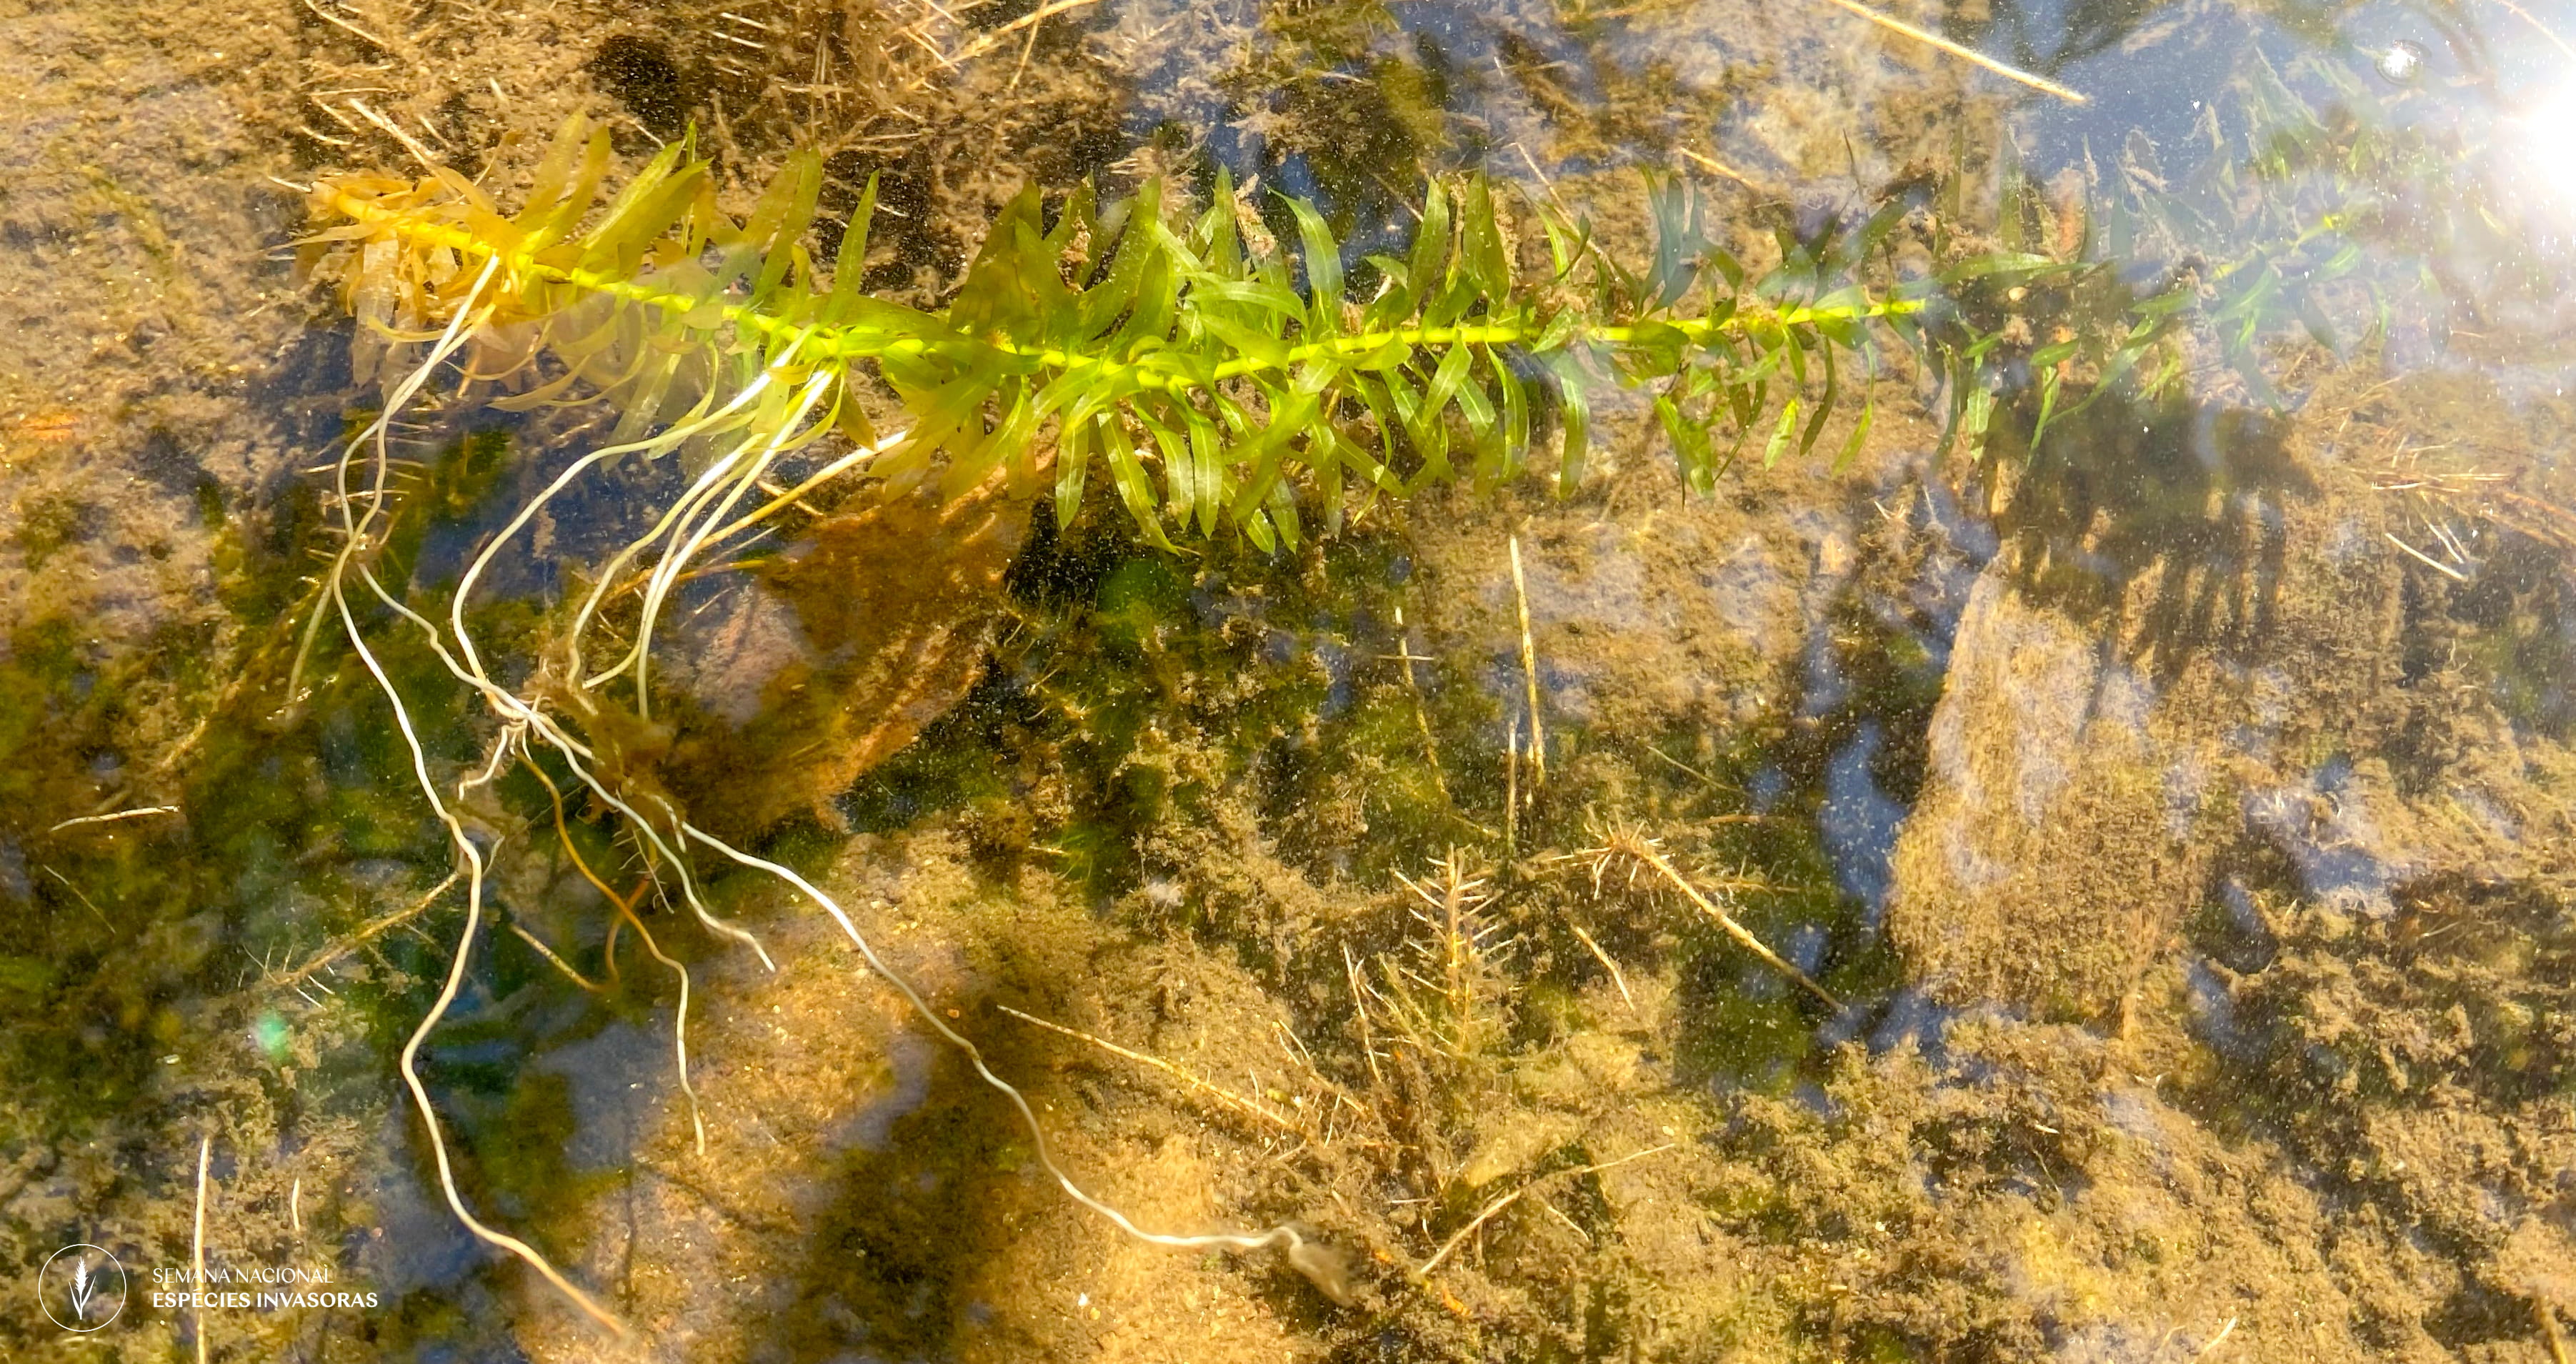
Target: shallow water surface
{"points": [[2016, 799]]}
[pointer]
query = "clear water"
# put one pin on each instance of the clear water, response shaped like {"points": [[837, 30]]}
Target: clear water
{"points": [[2156, 828]]}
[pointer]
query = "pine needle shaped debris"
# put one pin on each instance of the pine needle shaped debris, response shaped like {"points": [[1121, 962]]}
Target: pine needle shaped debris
{"points": [[1642, 853], [1227, 1097]]}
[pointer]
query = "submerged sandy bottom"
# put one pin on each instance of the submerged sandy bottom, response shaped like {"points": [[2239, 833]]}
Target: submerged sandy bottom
{"points": [[2192, 863]]}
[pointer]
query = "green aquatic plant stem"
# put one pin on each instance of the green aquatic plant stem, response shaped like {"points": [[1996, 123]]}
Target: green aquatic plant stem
{"points": [[1516, 333]]}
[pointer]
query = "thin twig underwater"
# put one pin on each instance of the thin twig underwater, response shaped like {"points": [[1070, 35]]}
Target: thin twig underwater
{"points": [[1226, 383]]}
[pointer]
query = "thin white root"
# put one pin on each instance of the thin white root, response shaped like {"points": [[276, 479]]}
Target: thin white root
{"points": [[671, 564], [679, 1025]]}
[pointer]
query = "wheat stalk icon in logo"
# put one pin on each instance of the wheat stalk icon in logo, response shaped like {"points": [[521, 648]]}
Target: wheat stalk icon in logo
{"points": [[83, 1282]]}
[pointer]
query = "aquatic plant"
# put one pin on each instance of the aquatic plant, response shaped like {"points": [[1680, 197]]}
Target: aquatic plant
{"points": [[1224, 382], [1147, 346]]}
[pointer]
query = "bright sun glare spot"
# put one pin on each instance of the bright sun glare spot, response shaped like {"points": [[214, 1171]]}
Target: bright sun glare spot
{"points": [[2548, 145]]}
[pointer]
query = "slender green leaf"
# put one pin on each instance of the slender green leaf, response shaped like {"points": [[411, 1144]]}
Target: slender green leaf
{"points": [[1780, 434]]}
